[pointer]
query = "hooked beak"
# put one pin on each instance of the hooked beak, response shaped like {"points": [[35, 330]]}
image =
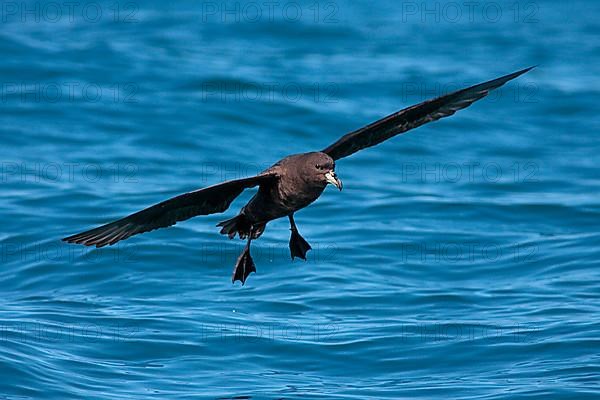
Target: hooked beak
{"points": [[333, 179]]}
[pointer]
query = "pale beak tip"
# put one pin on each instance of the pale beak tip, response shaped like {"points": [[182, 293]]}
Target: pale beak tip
{"points": [[334, 180]]}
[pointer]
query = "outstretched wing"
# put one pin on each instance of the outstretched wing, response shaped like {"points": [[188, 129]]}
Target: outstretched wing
{"points": [[413, 117], [210, 200]]}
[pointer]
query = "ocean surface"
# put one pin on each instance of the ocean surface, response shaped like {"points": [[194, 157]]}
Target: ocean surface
{"points": [[460, 260]]}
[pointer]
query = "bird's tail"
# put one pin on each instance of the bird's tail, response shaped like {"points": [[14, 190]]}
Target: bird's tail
{"points": [[237, 224], [240, 225]]}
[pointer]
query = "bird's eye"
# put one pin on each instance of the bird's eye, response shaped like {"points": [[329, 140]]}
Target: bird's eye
{"points": [[318, 166]]}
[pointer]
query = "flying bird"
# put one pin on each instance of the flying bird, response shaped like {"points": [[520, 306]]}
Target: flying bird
{"points": [[284, 188]]}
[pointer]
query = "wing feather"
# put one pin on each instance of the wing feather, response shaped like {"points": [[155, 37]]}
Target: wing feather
{"points": [[210, 200], [413, 117]]}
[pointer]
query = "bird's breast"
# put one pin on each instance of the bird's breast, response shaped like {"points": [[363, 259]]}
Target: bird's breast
{"points": [[282, 199], [297, 193]]}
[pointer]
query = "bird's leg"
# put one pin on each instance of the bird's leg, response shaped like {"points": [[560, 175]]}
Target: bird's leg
{"points": [[298, 246], [244, 265]]}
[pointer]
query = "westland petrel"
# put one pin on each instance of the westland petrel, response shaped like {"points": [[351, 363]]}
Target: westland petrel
{"points": [[286, 187]]}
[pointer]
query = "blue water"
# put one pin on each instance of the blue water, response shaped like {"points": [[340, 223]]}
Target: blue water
{"points": [[460, 261]]}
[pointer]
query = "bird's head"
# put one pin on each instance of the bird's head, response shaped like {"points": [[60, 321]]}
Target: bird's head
{"points": [[321, 168]]}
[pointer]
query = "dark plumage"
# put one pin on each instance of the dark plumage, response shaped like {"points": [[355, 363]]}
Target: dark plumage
{"points": [[288, 186]]}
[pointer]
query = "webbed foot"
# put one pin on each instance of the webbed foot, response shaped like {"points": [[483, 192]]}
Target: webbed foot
{"points": [[244, 266], [298, 246]]}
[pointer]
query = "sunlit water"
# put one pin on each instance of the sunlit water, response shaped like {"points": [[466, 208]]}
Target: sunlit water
{"points": [[460, 261]]}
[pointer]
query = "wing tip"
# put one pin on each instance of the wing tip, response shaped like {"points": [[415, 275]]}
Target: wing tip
{"points": [[493, 84], [76, 239], [85, 242], [93, 237], [502, 80], [70, 239], [524, 70]]}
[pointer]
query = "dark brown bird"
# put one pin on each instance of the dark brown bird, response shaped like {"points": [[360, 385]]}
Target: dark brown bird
{"points": [[288, 186]]}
